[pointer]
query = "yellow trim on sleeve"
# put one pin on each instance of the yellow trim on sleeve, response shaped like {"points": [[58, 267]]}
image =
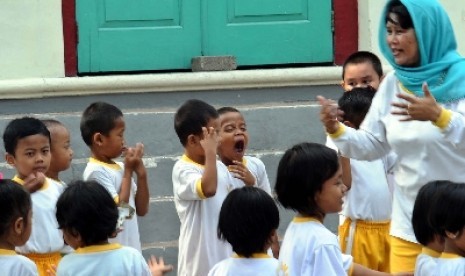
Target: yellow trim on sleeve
{"points": [[116, 199], [444, 118], [446, 255], [340, 130], [254, 256], [98, 248], [7, 252], [304, 219], [430, 252], [198, 187], [351, 270]]}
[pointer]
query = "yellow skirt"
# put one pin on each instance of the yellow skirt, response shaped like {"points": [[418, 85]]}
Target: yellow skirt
{"points": [[44, 261]]}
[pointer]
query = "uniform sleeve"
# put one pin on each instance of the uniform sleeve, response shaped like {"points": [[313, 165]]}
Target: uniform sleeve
{"points": [[28, 268], [106, 180], [455, 130], [187, 183], [327, 260], [140, 266], [262, 178]]}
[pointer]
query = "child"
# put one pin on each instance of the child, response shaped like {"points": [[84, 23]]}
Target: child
{"points": [[200, 185], [309, 182], [367, 208], [102, 129], [88, 215], [248, 220], [361, 69], [15, 229], [433, 243], [448, 219], [234, 137], [60, 149], [27, 147]]}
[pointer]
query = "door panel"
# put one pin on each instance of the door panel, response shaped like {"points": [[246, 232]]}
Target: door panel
{"points": [[126, 35], [270, 31]]}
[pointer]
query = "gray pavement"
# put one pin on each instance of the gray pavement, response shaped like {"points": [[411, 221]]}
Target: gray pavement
{"points": [[276, 118]]}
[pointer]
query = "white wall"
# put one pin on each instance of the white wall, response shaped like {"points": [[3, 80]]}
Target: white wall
{"points": [[31, 39], [369, 18]]}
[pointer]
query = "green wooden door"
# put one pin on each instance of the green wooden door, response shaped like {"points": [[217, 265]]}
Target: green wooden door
{"points": [[270, 31], [128, 35]]}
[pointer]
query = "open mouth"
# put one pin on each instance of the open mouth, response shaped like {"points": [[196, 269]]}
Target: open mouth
{"points": [[239, 146]]}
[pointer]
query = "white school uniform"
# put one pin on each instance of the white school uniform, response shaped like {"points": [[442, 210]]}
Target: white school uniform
{"points": [[14, 264], [109, 259], [257, 168], [257, 265], [449, 264], [110, 176], [309, 248], [45, 235], [426, 262], [199, 246]]}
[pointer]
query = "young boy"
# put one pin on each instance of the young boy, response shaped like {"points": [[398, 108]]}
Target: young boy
{"points": [[102, 128], [60, 149], [426, 235], [27, 147], [200, 185], [247, 170], [87, 214], [368, 204], [248, 220], [361, 69]]}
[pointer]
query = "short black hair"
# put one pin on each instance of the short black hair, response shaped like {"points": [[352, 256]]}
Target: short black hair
{"points": [[302, 171], [403, 16], [191, 117], [227, 109], [247, 219], [448, 212], [15, 202], [356, 104], [98, 117], [422, 208], [20, 128], [362, 57], [87, 208]]}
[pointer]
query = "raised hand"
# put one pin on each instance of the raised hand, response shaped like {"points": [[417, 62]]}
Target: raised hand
{"points": [[34, 181], [158, 268], [209, 141], [329, 114], [241, 172]]}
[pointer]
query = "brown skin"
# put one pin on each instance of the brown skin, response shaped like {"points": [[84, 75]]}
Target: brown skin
{"points": [[61, 151], [419, 109], [18, 233]]}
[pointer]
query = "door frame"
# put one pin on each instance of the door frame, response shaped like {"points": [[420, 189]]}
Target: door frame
{"points": [[345, 35]]}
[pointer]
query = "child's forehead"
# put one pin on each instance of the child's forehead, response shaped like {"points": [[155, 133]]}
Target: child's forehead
{"points": [[35, 140], [231, 116]]}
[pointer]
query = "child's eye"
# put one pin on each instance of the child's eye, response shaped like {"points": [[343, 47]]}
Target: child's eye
{"points": [[229, 129], [30, 154]]}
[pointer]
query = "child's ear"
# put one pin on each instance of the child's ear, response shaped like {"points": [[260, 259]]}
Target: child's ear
{"points": [[10, 159], [451, 235], [97, 139], [192, 139], [19, 226], [349, 124], [342, 84]]}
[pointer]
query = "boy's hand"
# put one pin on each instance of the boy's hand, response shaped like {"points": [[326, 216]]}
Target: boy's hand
{"points": [[133, 157], [52, 271], [158, 268], [240, 171], [209, 141], [34, 182]]}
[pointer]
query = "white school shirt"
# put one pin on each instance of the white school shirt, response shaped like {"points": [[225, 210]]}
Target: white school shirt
{"points": [[110, 176], [45, 235], [309, 248], [426, 262], [109, 259], [257, 168], [424, 151], [449, 264], [199, 246], [256, 265], [14, 264]]}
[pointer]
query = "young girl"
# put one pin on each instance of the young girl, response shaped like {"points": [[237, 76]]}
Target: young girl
{"points": [[15, 228], [88, 216], [248, 220], [448, 219], [309, 182]]}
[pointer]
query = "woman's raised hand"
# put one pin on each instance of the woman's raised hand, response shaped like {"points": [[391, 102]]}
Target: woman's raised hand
{"points": [[329, 114]]}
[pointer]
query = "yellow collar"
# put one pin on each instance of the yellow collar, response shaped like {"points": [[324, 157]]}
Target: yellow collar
{"points": [[98, 248], [187, 159], [21, 182], [446, 255], [430, 252], [254, 256], [7, 252], [305, 219], [113, 166]]}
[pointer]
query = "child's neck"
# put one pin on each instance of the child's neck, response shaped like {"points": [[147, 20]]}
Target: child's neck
{"points": [[451, 247], [319, 217], [5, 244], [53, 175], [103, 159], [196, 158]]}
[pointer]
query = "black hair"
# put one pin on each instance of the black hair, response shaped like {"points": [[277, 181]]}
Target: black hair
{"points": [[15, 202], [227, 109], [87, 208], [302, 171], [404, 20], [422, 208], [98, 117], [247, 219], [20, 128], [448, 212], [191, 117], [362, 57], [356, 104]]}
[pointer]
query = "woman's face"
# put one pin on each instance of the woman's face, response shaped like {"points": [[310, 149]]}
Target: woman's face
{"points": [[403, 43]]}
